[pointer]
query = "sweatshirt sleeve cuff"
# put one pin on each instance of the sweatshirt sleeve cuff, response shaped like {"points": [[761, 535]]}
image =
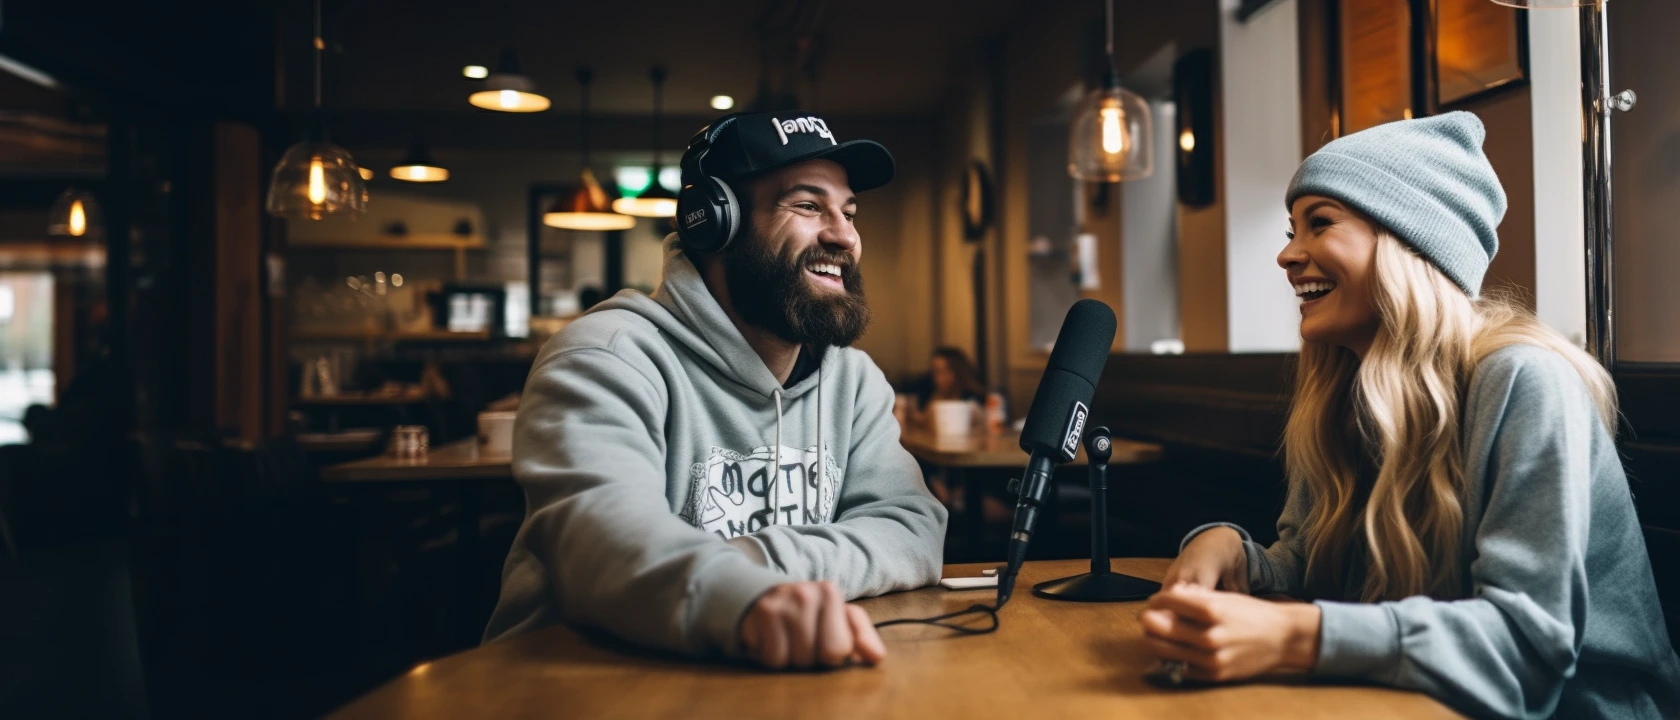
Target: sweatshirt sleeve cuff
{"points": [[722, 595], [1357, 640], [1204, 528]]}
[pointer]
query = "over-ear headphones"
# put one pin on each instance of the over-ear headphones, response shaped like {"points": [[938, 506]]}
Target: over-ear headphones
{"points": [[708, 215]]}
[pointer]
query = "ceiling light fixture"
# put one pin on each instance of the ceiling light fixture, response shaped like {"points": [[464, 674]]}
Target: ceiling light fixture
{"points": [[476, 72], [722, 102], [75, 214], [655, 201], [316, 178], [589, 207], [508, 89], [418, 166], [1110, 138]]}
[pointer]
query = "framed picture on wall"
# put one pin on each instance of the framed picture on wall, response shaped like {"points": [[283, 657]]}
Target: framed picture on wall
{"points": [[1479, 48], [1374, 49]]}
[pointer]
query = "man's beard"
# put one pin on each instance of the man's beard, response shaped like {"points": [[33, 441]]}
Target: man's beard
{"points": [[774, 294]]}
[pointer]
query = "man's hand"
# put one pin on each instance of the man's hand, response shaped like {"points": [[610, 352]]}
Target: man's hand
{"points": [[808, 624], [1223, 636]]}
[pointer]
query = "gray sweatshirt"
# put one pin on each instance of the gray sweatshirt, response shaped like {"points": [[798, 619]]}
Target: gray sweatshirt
{"points": [[670, 479], [1562, 618]]}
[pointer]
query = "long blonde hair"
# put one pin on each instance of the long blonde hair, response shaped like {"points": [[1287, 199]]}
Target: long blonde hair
{"points": [[1377, 442]]}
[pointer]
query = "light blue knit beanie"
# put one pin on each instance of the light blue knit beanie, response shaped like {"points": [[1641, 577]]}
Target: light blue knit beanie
{"points": [[1425, 180]]}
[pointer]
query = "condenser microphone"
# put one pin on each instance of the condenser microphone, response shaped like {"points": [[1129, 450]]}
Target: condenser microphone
{"points": [[1056, 423]]}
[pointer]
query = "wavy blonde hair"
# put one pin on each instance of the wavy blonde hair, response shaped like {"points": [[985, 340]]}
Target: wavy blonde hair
{"points": [[1377, 442]]}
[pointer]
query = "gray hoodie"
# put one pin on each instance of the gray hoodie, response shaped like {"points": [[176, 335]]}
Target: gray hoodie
{"points": [[670, 479], [1562, 618]]}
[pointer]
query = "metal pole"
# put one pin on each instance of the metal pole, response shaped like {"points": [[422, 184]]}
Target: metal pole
{"points": [[1597, 104]]}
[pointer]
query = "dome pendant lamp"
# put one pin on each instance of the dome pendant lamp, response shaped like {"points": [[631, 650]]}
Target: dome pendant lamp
{"points": [[656, 201], [316, 178], [418, 166], [508, 89], [1110, 139], [589, 207]]}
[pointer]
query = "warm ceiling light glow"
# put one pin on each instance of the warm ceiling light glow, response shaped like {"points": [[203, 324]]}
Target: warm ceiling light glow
{"points": [[78, 219], [646, 206], [1187, 140], [508, 89], [476, 72], [1113, 138], [365, 173], [317, 182], [722, 102], [589, 221], [420, 173], [508, 101], [74, 214]]}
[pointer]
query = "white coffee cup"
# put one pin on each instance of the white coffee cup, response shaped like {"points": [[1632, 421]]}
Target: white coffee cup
{"points": [[952, 417], [495, 432]]}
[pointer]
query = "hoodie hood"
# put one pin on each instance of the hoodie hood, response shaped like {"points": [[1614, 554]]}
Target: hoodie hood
{"points": [[684, 309]]}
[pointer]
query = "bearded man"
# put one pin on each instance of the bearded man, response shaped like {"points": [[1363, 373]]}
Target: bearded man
{"points": [[713, 469]]}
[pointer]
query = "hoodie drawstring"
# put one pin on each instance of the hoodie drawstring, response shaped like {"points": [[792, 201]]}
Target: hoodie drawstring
{"points": [[774, 497]]}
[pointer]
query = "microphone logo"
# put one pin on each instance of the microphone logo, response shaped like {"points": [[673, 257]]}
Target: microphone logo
{"points": [[1075, 429]]}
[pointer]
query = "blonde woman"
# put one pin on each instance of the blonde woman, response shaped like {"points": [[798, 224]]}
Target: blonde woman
{"points": [[1456, 510]]}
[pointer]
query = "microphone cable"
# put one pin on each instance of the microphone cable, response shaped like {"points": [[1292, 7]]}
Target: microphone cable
{"points": [[943, 620]]}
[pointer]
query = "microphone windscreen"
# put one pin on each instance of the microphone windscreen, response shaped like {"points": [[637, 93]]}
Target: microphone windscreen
{"points": [[1062, 402]]}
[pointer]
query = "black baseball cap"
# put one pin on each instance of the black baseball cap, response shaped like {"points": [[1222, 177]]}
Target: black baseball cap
{"points": [[752, 144]]}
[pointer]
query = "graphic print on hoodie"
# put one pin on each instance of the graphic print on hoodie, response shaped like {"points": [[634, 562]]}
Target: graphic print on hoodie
{"points": [[736, 494]]}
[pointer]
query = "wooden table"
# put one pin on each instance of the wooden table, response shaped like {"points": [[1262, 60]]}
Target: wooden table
{"points": [[459, 460], [1048, 659], [959, 455], [460, 469], [1004, 451]]}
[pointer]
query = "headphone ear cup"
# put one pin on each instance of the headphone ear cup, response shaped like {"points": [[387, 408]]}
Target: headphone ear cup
{"points": [[729, 216], [707, 216]]}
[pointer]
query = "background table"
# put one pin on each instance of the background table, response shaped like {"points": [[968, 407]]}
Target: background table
{"points": [[457, 468], [1048, 659], [960, 455]]}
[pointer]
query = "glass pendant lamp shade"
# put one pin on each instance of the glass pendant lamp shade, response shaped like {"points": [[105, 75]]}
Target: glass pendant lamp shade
{"points": [[76, 214], [1110, 139], [418, 166], [508, 89], [587, 208], [316, 178]]}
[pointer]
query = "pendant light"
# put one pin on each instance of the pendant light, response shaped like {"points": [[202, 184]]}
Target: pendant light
{"points": [[75, 214], [656, 201], [589, 207], [316, 178], [508, 89], [418, 166], [1110, 139]]}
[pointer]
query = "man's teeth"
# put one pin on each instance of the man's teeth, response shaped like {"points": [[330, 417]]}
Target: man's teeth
{"points": [[826, 269], [1314, 287]]}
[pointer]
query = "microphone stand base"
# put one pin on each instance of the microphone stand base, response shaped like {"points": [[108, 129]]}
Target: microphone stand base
{"points": [[1090, 587]]}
